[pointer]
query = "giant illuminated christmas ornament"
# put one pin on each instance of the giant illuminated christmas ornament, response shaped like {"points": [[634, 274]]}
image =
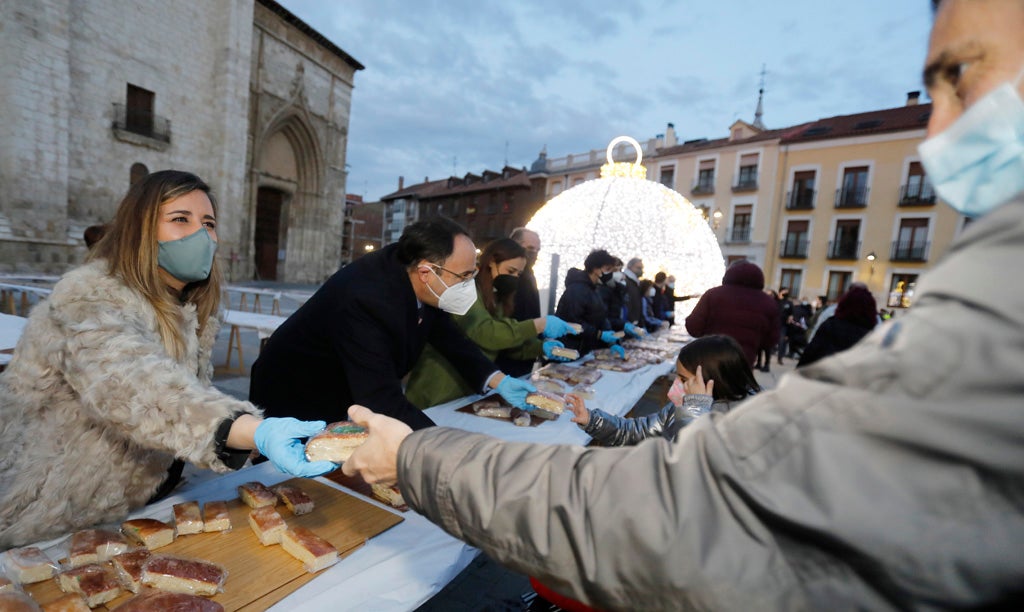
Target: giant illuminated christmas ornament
{"points": [[629, 216]]}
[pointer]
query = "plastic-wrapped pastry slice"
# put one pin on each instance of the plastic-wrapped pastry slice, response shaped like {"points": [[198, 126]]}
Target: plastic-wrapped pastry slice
{"points": [[180, 575], [94, 546], [546, 405], [94, 582], [28, 565]]}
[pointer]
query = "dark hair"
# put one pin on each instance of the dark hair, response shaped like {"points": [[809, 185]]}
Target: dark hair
{"points": [[432, 239], [722, 360], [93, 234], [660, 277], [645, 284], [496, 252], [598, 258], [858, 307]]}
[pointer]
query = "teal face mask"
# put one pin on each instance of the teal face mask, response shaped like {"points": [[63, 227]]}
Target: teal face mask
{"points": [[977, 163], [188, 259]]}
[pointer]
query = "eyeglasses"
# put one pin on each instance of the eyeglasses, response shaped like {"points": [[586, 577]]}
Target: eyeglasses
{"points": [[463, 278]]}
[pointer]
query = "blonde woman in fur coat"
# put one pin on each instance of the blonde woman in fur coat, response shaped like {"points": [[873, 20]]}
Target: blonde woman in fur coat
{"points": [[110, 383]]}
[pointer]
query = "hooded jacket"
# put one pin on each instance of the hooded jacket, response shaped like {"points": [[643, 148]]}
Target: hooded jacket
{"points": [[887, 477], [581, 303], [738, 308], [855, 317], [93, 410]]}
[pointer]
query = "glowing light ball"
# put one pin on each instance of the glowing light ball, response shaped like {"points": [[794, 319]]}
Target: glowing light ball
{"points": [[629, 216]]}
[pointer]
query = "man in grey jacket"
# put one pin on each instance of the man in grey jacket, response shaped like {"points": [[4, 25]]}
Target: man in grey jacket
{"points": [[890, 476]]}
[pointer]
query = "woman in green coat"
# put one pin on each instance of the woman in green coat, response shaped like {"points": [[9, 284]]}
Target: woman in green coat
{"points": [[434, 381]]}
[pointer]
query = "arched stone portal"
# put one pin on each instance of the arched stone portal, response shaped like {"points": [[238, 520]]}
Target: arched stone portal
{"points": [[286, 177]]}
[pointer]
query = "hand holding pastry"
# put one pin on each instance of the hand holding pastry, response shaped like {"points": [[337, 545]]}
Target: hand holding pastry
{"points": [[376, 461]]}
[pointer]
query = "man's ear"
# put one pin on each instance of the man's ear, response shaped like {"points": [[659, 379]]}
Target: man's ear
{"points": [[423, 269]]}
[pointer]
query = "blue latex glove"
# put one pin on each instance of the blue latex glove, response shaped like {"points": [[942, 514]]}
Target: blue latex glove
{"points": [[608, 337], [556, 328], [515, 391], [278, 441], [631, 330], [618, 350], [550, 344]]}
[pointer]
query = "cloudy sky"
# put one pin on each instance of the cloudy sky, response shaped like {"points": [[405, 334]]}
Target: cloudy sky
{"points": [[457, 86]]}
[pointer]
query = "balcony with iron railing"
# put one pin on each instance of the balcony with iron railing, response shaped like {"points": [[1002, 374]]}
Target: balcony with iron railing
{"points": [[917, 194], [141, 123], [793, 248], [855, 197], [843, 249], [745, 182], [703, 186], [800, 199], [909, 251], [738, 234]]}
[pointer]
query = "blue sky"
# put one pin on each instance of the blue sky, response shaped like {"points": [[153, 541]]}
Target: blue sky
{"points": [[448, 83]]}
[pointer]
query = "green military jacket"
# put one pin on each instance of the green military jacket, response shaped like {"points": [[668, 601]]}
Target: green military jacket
{"points": [[434, 380]]}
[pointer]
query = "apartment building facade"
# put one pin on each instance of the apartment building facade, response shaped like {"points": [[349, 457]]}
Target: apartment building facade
{"points": [[490, 205], [731, 180], [854, 204]]}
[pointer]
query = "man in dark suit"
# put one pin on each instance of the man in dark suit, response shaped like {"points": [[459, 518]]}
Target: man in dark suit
{"points": [[527, 305], [634, 307], [362, 332]]}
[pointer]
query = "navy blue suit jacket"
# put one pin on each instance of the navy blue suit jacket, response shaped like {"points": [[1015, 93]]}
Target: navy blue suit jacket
{"points": [[353, 342]]}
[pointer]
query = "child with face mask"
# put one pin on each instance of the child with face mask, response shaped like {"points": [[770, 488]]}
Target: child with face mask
{"points": [[712, 375]]}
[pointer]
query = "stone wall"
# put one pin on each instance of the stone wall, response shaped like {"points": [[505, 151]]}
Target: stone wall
{"points": [[225, 75], [303, 90]]}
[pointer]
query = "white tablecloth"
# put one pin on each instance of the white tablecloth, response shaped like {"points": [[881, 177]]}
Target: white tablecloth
{"points": [[41, 291], [263, 324], [405, 566], [10, 330], [615, 392]]}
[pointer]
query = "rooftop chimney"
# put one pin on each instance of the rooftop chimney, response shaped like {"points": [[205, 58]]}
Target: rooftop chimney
{"points": [[401, 183], [913, 97], [670, 135]]}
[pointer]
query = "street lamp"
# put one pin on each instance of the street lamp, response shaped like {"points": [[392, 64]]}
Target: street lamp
{"points": [[368, 248], [871, 270], [717, 216]]}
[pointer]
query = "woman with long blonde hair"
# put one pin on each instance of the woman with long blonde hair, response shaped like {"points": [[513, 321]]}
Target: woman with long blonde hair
{"points": [[109, 389]]}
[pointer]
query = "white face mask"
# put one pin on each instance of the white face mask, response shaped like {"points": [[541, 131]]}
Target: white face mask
{"points": [[650, 293], [619, 277], [455, 299], [977, 163]]}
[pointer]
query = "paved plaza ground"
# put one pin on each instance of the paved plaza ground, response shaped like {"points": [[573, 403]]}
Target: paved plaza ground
{"points": [[483, 585]]}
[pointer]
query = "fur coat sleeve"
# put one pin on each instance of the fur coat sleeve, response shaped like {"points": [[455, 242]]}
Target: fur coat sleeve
{"points": [[114, 360], [93, 410]]}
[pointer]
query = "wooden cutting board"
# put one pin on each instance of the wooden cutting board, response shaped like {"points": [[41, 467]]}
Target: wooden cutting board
{"points": [[260, 576]]}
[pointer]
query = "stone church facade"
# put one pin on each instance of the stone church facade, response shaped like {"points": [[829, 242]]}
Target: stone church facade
{"points": [[243, 93]]}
